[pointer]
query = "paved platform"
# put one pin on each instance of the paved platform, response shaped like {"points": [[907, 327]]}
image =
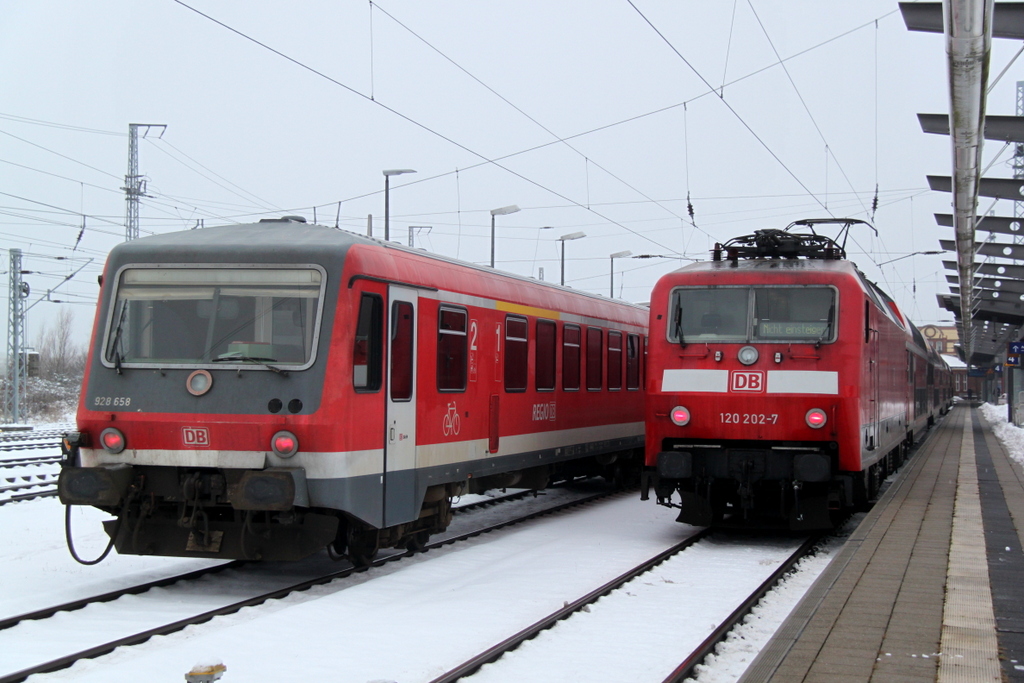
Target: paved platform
{"points": [[930, 587]]}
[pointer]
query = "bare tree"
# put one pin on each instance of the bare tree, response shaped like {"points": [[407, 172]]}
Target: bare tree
{"points": [[59, 354]]}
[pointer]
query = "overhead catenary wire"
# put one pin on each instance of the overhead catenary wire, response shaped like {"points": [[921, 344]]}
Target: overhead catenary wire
{"points": [[558, 139], [728, 106]]}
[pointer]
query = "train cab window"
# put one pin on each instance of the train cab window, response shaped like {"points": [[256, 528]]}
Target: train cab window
{"points": [[545, 355], [709, 314], [517, 353], [402, 359], [595, 342], [366, 355], [452, 345], [632, 361], [205, 316], [614, 361], [794, 314], [571, 358]]}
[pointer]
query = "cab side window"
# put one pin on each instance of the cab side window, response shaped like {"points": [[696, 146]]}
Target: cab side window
{"points": [[366, 354]]}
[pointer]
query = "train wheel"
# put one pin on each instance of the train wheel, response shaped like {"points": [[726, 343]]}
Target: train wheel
{"points": [[418, 541], [363, 545]]}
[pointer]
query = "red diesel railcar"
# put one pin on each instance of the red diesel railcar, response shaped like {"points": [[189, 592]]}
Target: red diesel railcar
{"points": [[266, 390], [782, 385]]}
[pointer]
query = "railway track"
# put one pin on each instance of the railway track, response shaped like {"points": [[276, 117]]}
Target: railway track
{"points": [[38, 620], [55, 434], [687, 666], [27, 462], [22, 446]]}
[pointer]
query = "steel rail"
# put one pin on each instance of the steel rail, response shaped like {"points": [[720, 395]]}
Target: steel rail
{"points": [[143, 636], [11, 447], [45, 493], [495, 652], [28, 462], [686, 667]]}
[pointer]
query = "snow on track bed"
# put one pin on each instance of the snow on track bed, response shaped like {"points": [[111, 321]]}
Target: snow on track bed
{"points": [[411, 620], [86, 630], [658, 617]]}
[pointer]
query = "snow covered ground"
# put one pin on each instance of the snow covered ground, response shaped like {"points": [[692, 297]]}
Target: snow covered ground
{"points": [[1012, 437], [410, 621]]}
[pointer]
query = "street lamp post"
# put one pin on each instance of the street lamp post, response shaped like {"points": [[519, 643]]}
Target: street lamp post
{"points": [[387, 190], [563, 239], [611, 281], [503, 211]]}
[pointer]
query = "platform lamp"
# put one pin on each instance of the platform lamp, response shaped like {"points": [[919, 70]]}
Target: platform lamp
{"points": [[611, 281], [387, 190], [563, 239], [503, 211]]}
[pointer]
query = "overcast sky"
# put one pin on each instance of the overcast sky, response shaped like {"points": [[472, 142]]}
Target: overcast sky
{"points": [[597, 116]]}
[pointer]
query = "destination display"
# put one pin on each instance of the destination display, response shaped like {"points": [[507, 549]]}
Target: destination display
{"points": [[791, 329]]}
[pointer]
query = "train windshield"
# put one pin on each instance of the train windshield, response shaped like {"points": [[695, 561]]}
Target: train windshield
{"points": [[752, 314], [188, 316]]}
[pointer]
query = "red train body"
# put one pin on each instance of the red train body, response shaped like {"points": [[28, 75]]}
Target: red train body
{"points": [[781, 389], [263, 391]]}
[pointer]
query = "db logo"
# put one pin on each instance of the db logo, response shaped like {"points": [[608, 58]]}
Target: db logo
{"points": [[746, 380], [197, 437]]}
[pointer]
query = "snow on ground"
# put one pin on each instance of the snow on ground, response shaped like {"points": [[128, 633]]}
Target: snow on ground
{"points": [[1012, 437], [36, 570], [412, 620], [733, 655], [642, 631]]}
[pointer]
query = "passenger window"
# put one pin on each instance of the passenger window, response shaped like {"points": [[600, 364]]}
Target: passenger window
{"points": [[516, 353], [366, 355], [595, 342], [614, 361], [632, 361], [451, 349], [545, 361], [570, 358]]}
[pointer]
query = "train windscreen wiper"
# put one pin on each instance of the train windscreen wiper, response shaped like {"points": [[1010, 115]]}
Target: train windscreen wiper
{"points": [[115, 345], [828, 324], [679, 322], [251, 359]]}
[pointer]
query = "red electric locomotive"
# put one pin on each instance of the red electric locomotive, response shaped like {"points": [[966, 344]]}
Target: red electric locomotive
{"points": [[782, 385], [266, 390]]}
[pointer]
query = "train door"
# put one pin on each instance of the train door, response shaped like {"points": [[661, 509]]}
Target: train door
{"points": [[871, 337], [400, 422]]}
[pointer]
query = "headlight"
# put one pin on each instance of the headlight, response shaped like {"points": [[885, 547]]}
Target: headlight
{"points": [[747, 355], [199, 382]]}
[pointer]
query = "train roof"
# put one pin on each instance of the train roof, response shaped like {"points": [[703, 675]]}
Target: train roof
{"points": [[764, 264], [288, 241]]}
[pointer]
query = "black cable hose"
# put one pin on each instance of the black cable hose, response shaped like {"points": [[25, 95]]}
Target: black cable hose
{"points": [[71, 543]]}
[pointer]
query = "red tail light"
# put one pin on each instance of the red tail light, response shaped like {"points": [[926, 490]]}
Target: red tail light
{"points": [[816, 418], [284, 444], [112, 440], [680, 415]]}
